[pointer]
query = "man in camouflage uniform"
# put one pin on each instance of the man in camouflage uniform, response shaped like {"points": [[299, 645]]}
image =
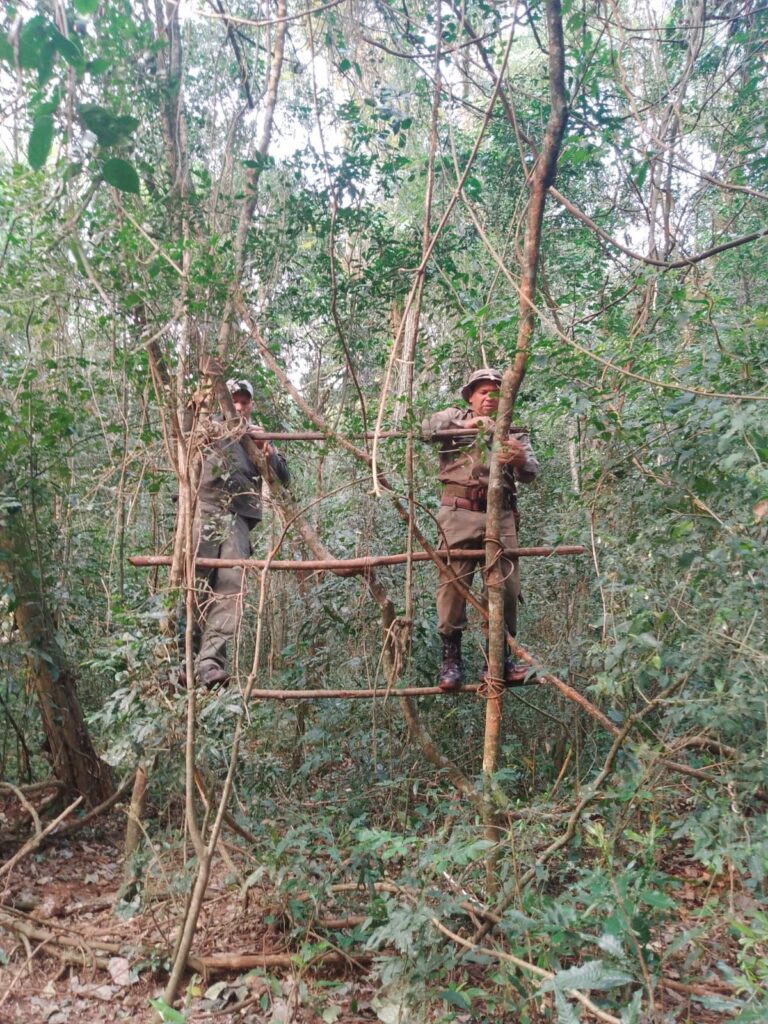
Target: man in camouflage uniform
{"points": [[228, 508], [464, 473]]}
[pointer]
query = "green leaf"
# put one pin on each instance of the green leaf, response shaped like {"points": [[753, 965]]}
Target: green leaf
{"points": [[49, 106], [97, 120], [566, 1014], [40, 140], [660, 900], [260, 163], [72, 170], [6, 50], [121, 174], [473, 188], [86, 6], [98, 66], [32, 39], [70, 49], [592, 975], [167, 1013], [641, 174], [108, 128], [456, 998]]}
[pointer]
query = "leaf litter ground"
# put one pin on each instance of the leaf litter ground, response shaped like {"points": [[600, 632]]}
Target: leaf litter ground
{"points": [[67, 897]]}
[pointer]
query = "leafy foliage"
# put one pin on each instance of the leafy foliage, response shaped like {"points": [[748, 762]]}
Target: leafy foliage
{"points": [[644, 398]]}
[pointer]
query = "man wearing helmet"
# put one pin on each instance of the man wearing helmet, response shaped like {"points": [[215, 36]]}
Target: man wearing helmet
{"points": [[463, 473], [228, 507]]}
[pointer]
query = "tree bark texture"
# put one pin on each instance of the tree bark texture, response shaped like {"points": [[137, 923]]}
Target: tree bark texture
{"points": [[543, 175], [75, 762]]}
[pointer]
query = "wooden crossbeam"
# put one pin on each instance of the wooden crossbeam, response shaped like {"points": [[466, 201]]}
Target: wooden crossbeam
{"points": [[405, 691], [318, 435], [354, 564]]}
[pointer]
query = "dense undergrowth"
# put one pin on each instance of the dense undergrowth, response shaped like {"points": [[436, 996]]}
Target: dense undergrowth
{"points": [[625, 868], [664, 870]]}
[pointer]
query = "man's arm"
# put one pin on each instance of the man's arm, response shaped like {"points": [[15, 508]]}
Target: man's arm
{"points": [[278, 465], [276, 461], [518, 453], [446, 419]]}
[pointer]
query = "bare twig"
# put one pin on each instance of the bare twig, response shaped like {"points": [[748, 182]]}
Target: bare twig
{"points": [[37, 838]]}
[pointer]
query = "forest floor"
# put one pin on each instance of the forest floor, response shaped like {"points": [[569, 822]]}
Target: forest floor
{"points": [[86, 959], [107, 963]]}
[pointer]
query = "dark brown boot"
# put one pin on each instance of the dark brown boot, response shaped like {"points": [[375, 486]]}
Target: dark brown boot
{"points": [[452, 669], [515, 673], [210, 675]]}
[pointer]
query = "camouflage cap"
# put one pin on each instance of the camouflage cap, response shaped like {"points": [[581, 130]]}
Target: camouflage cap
{"points": [[236, 385], [485, 373]]}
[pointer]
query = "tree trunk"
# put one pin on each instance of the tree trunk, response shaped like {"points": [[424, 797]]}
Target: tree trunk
{"points": [[75, 762], [542, 177]]}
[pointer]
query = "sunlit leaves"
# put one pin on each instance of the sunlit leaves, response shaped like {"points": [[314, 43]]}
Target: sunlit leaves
{"points": [[98, 66]]}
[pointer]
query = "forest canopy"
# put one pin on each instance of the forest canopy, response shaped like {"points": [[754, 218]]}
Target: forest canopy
{"points": [[352, 205]]}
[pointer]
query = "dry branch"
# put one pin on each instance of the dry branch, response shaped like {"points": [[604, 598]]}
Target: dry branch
{"points": [[524, 965], [37, 838], [383, 693], [710, 989], [95, 812], [680, 264], [28, 807], [318, 435], [33, 787], [219, 962], [541, 177], [366, 562], [135, 813]]}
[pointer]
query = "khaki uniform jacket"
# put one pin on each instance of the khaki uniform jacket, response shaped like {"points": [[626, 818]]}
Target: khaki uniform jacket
{"points": [[229, 481], [465, 461]]}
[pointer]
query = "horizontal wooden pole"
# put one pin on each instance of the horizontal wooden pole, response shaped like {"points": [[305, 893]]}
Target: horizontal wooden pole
{"points": [[353, 564], [318, 435], [405, 691]]}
